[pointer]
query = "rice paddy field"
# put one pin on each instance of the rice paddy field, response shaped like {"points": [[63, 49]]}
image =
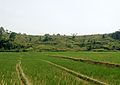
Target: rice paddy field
{"points": [[60, 68]]}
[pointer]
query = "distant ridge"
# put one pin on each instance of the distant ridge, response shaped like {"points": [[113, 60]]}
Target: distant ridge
{"points": [[12, 41]]}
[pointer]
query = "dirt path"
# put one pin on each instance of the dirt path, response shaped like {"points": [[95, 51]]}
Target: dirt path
{"points": [[89, 61], [22, 77], [81, 76]]}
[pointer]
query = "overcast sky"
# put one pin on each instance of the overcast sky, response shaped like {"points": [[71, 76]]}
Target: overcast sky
{"points": [[60, 16]]}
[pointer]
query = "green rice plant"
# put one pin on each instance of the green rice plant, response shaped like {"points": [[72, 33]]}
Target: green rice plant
{"points": [[8, 75], [102, 73], [111, 57], [42, 73], [108, 64]]}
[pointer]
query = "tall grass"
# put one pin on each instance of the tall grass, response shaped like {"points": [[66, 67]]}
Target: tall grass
{"points": [[112, 57], [42, 73], [8, 75], [102, 73]]}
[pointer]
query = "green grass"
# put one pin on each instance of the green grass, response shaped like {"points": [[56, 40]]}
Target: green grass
{"points": [[42, 73], [102, 73], [112, 57], [8, 75]]}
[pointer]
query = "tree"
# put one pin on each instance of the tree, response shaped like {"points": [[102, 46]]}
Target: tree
{"points": [[116, 35], [2, 31], [47, 37], [103, 36], [58, 35], [74, 35], [12, 36]]}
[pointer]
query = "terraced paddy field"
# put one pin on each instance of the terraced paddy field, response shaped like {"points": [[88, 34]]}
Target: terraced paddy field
{"points": [[112, 57], [60, 68]]}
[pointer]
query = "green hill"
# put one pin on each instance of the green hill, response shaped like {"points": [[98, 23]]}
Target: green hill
{"points": [[11, 41]]}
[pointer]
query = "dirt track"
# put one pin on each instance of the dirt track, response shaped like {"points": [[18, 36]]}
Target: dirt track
{"points": [[23, 79]]}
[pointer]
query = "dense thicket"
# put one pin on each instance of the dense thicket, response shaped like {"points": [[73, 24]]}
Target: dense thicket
{"points": [[11, 41]]}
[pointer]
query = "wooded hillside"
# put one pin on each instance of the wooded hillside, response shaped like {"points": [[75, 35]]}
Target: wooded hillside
{"points": [[11, 41]]}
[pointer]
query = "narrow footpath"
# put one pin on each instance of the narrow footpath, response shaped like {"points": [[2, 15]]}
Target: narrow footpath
{"points": [[22, 77]]}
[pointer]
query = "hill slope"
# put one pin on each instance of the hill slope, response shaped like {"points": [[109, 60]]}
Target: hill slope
{"points": [[11, 41]]}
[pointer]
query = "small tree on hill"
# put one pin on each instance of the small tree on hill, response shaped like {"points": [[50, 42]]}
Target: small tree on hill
{"points": [[12, 36]]}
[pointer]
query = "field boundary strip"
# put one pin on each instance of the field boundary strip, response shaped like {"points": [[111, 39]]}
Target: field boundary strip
{"points": [[81, 76], [89, 61], [23, 79]]}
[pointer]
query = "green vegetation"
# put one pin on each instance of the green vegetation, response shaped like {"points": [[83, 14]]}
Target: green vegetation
{"points": [[24, 59], [8, 75], [112, 57], [11, 41], [40, 72], [98, 72]]}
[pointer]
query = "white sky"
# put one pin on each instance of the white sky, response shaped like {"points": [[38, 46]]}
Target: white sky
{"points": [[60, 16]]}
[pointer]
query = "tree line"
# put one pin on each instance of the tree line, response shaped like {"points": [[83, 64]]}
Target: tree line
{"points": [[12, 41]]}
